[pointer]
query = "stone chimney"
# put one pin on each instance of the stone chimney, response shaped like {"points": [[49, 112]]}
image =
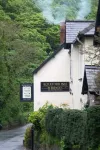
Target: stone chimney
{"points": [[62, 32]]}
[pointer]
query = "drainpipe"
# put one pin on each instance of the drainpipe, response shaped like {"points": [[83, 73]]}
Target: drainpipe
{"points": [[77, 39], [80, 69], [0, 127]]}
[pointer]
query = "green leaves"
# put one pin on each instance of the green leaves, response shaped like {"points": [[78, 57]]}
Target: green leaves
{"points": [[68, 125], [75, 128], [93, 123], [26, 39], [94, 6], [65, 9]]}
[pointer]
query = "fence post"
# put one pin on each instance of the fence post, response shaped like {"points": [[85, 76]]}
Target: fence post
{"points": [[0, 127], [32, 133]]}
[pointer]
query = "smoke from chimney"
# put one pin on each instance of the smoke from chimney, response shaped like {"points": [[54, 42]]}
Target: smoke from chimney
{"points": [[52, 15], [85, 9], [59, 12]]}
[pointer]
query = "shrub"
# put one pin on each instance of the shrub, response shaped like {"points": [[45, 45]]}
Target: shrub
{"points": [[27, 138], [69, 125], [70, 129], [53, 118], [42, 138], [74, 128], [93, 123]]}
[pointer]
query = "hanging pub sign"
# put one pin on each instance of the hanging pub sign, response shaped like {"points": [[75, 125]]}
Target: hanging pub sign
{"points": [[26, 92], [97, 28], [54, 86]]}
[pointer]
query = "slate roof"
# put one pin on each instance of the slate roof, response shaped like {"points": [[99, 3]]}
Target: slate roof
{"points": [[88, 30], [73, 28], [91, 72], [89, 79]]}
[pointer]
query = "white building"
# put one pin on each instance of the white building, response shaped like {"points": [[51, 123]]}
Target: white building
{"points": [[58, 80]]}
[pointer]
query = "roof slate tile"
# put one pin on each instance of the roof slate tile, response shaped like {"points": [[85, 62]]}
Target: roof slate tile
{"points": [[91, 72], [74, 27]]}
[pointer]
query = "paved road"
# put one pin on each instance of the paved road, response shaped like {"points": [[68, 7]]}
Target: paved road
{"points": [[12, 139]]}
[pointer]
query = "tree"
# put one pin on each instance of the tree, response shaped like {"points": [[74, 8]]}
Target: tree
{"points": [[17, 60]]}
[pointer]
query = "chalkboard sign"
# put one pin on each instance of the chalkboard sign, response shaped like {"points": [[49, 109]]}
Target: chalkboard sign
{"points": [[54, 86], [26, 92]]}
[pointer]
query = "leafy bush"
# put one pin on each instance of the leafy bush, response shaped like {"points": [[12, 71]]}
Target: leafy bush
{"points": [[67, 128], [42, 138], [69, 125], [27, 138], [53, 118], [93, 122]]}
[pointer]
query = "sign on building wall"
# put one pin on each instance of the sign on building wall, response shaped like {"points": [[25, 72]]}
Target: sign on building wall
{"points": [[54, 86], [26, 92]]}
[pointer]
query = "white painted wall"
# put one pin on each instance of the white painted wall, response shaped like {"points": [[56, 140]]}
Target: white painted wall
{"points": [[64, 67], [77, 70], [56, 70], [79, 60]]}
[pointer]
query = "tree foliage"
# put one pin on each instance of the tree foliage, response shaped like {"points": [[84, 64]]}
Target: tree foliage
{"points": [[23, 46], [94, 6], [15, 56], [26, 39]]}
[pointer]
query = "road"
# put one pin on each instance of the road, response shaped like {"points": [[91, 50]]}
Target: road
{"points": [[12, 139]]}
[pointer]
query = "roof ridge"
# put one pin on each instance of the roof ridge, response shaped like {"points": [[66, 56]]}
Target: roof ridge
{"points": [[92, 67], [87, 29], [79, 21], [78, 28]]}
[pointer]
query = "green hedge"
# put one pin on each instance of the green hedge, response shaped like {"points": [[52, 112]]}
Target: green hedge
{"points": [[69, 125], [41, 138], [93, 123], [68, 128], [76, 129], [52, 121]]}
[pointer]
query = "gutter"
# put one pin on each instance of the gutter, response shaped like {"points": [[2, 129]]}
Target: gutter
{"points": [[77, 39], [96, 93]]}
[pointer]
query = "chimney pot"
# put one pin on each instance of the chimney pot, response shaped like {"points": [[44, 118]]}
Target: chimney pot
{"points": [[62, 32]]}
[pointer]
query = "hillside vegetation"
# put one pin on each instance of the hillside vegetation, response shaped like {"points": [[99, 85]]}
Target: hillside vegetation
{"points": [[26, 39]]}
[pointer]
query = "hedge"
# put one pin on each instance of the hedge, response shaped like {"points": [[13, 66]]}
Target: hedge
{"points": [[67, 124], [41, 138], [93, 123], [52, 121], [79, 129], [69, 129]]}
